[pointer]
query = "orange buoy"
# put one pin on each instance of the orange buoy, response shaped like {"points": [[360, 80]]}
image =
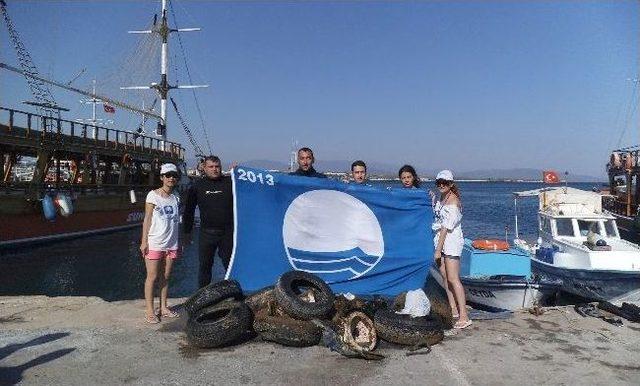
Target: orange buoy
{"points": [[491, 245]]}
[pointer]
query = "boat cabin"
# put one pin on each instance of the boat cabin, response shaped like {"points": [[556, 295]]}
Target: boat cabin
{"points": [[577, 227], [575, 232]]}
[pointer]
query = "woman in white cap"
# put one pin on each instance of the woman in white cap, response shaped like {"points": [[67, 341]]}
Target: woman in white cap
{"points": [[159, 245], [448, 243]]}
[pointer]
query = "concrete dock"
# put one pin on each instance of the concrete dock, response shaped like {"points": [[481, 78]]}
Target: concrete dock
{"points": [[85, 340]]}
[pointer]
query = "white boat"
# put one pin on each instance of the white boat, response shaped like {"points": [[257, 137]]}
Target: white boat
{"points": [[499, 280], [579, 245]]}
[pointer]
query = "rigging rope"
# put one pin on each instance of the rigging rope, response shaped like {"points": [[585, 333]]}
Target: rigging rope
{"points": [[184, 57], [631, 109], [196, 148]]}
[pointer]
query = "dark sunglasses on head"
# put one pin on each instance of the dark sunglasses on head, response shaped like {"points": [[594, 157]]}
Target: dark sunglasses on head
{"points": [[442, 182], [171, 175]]}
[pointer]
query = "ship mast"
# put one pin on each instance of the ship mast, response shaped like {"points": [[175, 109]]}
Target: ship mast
{"points": [[163, 87], [94, 120]]}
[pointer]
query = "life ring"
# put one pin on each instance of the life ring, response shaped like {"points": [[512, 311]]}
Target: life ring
{"points": [[491, 245], [126, 160]]}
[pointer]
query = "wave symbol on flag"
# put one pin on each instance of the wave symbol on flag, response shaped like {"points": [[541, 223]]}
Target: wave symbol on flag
{"points": [[332, 234]]}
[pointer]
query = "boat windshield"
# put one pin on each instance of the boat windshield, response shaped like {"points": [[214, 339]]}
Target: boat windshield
{"points": [[610, 228], [564, 226], [587, 225]]}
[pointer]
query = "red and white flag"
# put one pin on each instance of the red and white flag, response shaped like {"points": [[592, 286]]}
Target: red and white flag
{"points": [[550, 177], [109, 109]]}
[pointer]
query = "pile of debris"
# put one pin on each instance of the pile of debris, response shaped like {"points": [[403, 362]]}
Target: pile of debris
{"points": [[301, 310]]}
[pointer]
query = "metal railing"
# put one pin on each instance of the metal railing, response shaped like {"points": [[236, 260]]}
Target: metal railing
{"points": [[30, 125]]}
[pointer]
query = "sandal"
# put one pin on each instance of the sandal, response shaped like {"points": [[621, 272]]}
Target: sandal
{"points": [[460, 325], [152, 319], [170, 314], [455, 315]]}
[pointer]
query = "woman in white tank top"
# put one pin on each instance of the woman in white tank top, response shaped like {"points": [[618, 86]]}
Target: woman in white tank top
{"points": [[448, 241]]}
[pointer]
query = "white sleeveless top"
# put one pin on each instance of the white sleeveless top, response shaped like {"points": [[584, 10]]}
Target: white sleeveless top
{"points": [[450, 217]]}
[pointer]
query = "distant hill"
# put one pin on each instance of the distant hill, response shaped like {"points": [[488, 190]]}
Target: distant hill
{"points": [[522, 174], [378, 168], [333, 166]]}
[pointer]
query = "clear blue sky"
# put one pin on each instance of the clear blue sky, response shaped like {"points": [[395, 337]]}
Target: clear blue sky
{"points": [[462, 85]]}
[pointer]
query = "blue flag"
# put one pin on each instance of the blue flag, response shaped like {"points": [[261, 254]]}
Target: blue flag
{"points": [[358, 238]]}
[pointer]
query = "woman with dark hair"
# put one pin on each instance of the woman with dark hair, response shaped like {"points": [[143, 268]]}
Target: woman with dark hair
{"points": [[160, 242], [409, 178], [448, 242]]}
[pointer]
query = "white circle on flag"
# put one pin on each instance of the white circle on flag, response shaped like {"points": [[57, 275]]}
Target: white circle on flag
{"points": [[332, 234]]}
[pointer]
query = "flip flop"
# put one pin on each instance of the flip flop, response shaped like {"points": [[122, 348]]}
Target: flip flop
{"points": [[170, 314], [152, 319], [462, 325], [455, 316]]}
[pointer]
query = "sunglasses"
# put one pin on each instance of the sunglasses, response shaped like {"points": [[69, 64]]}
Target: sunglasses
{"points": [[171, 175], [442, 182]]}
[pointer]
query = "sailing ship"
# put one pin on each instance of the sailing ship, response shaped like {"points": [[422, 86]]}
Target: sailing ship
{"points": [[622, 202], [97, 176]]}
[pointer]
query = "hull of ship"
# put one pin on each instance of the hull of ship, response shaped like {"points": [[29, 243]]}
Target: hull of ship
{"points": [[504, 294], [22, 222], [627, 228], [612, 286]]}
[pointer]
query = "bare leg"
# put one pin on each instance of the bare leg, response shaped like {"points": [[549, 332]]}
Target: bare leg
{"points": [[447, 288], [164, 291], [453, 277], [152, 275]]}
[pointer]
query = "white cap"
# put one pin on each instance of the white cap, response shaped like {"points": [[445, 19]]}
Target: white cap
{"points": [[166, 168], [445, 175]]}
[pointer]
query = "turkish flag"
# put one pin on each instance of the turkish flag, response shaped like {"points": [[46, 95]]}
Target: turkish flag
{"points": [[550, 177], [109, 109]]}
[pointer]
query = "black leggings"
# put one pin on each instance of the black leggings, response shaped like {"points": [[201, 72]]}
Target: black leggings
{"points": [[212, 239]]}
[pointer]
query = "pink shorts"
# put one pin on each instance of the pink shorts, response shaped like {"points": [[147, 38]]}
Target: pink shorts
{"points": [[157, 255]]}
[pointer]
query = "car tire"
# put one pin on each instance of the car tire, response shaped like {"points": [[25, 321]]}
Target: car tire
{"points": [[405, 330], [287, 331], [288, 291], [213, 294], [219, 325], [358, 331]]}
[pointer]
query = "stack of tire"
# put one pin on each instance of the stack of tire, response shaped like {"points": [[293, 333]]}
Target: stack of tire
{"points": [[295, 312], [405, 329], [283, 314], [217, 315]]}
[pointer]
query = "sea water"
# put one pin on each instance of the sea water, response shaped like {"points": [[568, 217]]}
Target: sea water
{"points": [[110, 266]]}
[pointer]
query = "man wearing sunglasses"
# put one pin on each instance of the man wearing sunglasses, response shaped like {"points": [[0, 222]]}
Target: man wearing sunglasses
{"points": [[213, 195]]}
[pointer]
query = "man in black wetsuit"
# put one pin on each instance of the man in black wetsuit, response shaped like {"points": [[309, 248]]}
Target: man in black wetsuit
{"points": [[213, 195], [305, 164]]}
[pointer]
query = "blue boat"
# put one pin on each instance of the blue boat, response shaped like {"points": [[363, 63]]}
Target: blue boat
{"points": [[497, 280]]}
